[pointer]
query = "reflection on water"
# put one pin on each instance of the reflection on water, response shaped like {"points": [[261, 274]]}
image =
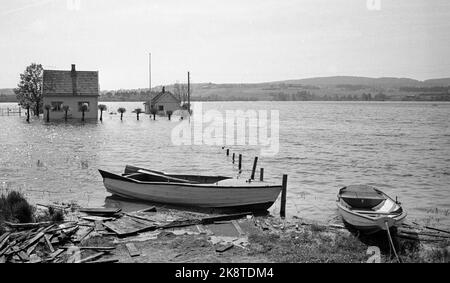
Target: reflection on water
{"points": [[402, 148]]}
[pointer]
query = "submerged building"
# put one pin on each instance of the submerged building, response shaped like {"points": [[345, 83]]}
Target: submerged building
{"points": [[73, 89], [163, 102]]}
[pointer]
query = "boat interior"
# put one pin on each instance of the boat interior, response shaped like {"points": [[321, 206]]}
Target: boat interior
{"points": [[367, 200], [147, 176]]}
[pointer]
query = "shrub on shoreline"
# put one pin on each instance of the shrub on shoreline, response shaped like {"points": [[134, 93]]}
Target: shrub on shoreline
{"points": [[15, 208]]}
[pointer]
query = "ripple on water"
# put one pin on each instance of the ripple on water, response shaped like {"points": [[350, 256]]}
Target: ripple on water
{"points": [[402, 148]]}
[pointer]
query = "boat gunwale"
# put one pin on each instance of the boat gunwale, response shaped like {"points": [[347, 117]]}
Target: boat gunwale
{"points": [[130, 180], [397, 216]]}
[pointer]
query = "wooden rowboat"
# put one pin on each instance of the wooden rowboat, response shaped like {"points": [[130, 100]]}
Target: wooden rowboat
{"points": [[369, 209], [192, 190]]}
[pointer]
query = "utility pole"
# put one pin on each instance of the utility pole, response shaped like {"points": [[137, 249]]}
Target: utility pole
{"points": [[150, 72], [189, 93]]}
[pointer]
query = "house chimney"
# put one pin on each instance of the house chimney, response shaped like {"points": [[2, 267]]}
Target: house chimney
{"points": [[74, 80]]}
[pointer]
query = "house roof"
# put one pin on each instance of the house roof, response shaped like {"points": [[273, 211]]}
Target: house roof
{"points": [[157, 97], [60, 83]]}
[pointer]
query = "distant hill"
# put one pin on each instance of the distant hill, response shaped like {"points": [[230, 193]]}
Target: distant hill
{"points": [[318, 88], [351, 80], [6, 91], [438, 82]]}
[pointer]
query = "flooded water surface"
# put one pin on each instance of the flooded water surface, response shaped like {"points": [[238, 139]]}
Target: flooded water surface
{"points": [[401, 148]]}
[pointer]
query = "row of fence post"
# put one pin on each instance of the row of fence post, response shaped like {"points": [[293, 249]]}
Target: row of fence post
{"points": [[9, 111], [261, 178]]}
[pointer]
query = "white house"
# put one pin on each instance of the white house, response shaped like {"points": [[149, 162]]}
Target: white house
{"points": [[72, 88]]}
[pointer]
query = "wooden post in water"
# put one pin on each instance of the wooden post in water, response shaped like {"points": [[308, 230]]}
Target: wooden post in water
{"points": [[261, 174], [240, 163], [228, 152], [254, 168], [283, 196], [233, 157]]}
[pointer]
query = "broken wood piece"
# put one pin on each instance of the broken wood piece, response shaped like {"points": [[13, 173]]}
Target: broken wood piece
{"points": [[149, 209], [2, 259], [89, 258], [210, 220], [35, 259], [201, 229], [26, 225], [99, 226], [127, 226], [137, 216], [107, 260], [49, 244], [97, 218], [23, 256], [132, 250], [31, 249], [223, 248], [92, 248], [238, 227], [54, 255], [7, 248], [82, 237], [33, 240], [4, 239], [100, 211], [436, 229]]}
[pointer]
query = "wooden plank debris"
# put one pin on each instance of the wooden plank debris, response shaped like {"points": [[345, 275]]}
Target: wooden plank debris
{"points": [[47, 238], [126, 226], [31, 249], [223, 248], [97, 218], [92, 248], [4, 239], [99, 226], [54, 255], [35, 259], [436, 229], [26, 225], [148, 209], [210, 220], [132, 250], [238, 227], [101, 211], [33, 240], [106, 260], [83, 236], [23, 256], [89, 258]]}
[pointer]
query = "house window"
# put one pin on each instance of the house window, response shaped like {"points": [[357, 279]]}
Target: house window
{"points": [[161, 107], [57, 106], [80, 104]]}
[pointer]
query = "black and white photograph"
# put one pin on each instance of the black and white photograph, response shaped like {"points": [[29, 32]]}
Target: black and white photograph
{"points": [[235, 133]]}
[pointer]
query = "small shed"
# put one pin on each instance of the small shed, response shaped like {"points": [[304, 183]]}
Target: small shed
{"points": [[163, 102]]}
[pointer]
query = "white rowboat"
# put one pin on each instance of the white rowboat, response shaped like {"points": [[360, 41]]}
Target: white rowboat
{"points": [[191, 190], [369, 209]]}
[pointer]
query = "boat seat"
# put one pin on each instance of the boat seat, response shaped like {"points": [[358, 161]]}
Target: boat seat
{"points": [[362, 197]]}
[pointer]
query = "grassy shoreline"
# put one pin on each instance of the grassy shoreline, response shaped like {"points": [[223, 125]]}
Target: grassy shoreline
{"points": [[261, 239]]}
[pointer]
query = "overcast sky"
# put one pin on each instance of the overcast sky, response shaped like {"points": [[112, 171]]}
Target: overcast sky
{"points": [[225, 41]]}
